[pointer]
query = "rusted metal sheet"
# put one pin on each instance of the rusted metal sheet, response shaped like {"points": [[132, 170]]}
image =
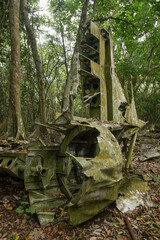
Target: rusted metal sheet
{"points": [[103, 91], [117, 92], [94, 30], [132, 194], [131, 113], [13, 163], [102, 170], [95, 70], [119, 97], [87, 165]]}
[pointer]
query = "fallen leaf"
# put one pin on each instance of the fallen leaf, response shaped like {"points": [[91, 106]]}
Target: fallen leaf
{"points": [[67, 237], [139, 218], [93, 238], [61, 194], [61, 226], [147, 223], [121, 224], [8, 206], [125, 238], [120, 237], [11, 224], [62, 213], [31, 235]]}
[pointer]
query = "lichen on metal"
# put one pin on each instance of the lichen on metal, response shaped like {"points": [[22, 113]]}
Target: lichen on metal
{"points": [[102, 174], [132, 194], [12, 163], [87, 165]]}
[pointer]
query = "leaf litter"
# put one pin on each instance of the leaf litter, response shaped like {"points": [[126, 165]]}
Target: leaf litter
{"points": [[144, 220]]}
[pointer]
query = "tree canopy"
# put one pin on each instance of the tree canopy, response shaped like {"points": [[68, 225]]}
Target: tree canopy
{"points": [[135, 28]]}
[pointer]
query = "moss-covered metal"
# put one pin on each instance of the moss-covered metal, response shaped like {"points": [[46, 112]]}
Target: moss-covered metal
{"points": [[102, 174], [87, 166], [98, 63], [13, 163]]}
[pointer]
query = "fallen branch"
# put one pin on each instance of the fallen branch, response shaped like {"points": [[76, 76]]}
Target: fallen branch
{"points": [[130, 228]]}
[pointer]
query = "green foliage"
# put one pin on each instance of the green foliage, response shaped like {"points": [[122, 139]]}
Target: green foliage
{"points": [[24, 208], [12, 236], [155, 178], [20, 209], [135, 26], [148, 106], [153, 227]]}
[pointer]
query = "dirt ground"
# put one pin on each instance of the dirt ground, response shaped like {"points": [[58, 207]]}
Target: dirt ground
{"points": [[141, 223]]}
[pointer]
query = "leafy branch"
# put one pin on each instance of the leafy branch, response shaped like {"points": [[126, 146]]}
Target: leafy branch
{"points": [[149, 69], [93, 12], [115, 18]]}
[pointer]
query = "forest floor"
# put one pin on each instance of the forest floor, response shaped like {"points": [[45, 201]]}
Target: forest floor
{"points": [[144, 221]]}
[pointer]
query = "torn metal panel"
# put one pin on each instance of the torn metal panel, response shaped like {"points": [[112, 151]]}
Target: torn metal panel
{"points": [[90, 202], [131, 131], [103, 87], [86, 165], [98, 52], [134, 193], [89, 163], [13, 163], [150, 155], [131, 113], [95, 30], [117, 91], [107, 165], [41, 181], [119, 96], [95, 70], [103, 172], [46, 217]]}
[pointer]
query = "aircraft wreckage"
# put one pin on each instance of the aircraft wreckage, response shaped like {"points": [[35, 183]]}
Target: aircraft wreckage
{"points": [[87, 166]]}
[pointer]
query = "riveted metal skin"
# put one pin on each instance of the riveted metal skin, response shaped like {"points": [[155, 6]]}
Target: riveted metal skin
{"points": [[87, 166]]}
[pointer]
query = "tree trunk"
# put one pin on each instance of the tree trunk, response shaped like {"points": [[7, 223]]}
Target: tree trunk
{"points": [[37, 62], [15, 126], [68, 97]]}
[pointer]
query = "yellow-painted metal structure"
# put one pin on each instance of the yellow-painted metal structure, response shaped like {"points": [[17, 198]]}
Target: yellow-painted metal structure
{"points": [[87, 165]]}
